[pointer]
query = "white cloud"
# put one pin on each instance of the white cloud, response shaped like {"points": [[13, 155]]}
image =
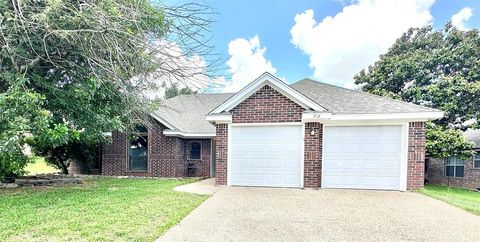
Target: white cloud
{"points": [[459, 19], [246, 62], [342, 45], [176, 67]]}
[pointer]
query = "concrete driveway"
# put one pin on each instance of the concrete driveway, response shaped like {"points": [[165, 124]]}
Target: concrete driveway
{"points": [[272, 214]]}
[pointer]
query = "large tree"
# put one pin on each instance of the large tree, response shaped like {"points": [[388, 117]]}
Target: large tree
{"points": [[438, 69], [71, 70]]}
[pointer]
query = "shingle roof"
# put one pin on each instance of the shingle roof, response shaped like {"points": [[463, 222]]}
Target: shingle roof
{"points": [[187, 112], [345, 101], [473, 135]]}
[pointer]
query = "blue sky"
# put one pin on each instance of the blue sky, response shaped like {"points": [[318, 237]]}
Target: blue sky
{"points": [[293, 38]]}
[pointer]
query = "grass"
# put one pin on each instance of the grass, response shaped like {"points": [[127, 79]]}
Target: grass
{"points": [[465, 199], [39, 166], [103, 209]]}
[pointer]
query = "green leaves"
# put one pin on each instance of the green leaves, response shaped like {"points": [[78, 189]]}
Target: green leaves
{"points": [[441, 142], [21, 117], [65, 67], [72, 70], [438, 69]]}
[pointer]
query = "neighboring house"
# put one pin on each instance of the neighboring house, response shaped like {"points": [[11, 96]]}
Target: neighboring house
{"points": [[305, 135], [453, 171]]}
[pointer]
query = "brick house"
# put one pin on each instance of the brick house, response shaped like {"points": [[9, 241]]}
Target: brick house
{"points": [[456, 172], [304, 135]]}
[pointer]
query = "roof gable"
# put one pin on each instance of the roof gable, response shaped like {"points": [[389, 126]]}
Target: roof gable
{"points": [[274, 82]]}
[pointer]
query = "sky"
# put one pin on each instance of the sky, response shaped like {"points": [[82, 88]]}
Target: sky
{"points": [[325, 40]]}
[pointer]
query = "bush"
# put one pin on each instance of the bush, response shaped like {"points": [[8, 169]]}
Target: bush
{"points": [[62, 157]]}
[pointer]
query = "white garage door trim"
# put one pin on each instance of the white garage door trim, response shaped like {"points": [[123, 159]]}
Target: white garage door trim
{"points": [[229, 145], [404, 146]]}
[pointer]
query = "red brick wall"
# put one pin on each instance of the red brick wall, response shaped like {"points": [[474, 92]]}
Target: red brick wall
{"points": [[267, 106], [435, 174], [416, 155], [114, 155], [313, 155], [202, 165], [165, 153], [222, 150], [166, 156]]}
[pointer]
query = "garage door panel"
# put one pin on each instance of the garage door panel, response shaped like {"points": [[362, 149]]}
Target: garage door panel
{"points": [[364, 157], [291, 165], [388, 139], [239, 163], [255, 178], [272, 163], [370, 147], [239, 178], [290, 180], [333, 164], [351, 147], [266, 155], [255, 163], [271, 178], [390, 148], [291, 148], [331, 148], [389, 157]]}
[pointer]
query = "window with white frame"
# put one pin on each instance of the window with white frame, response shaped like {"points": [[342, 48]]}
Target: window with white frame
{"points": [[476, 160], [454, 167]]}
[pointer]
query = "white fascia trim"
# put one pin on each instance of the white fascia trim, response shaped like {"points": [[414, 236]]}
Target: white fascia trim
{"points": [[229, 155], [220, 118], [163, 121], [266, 124], [315, 117], [181, 134], [302, 158], [277, 84], [423, 116], [412, 117], [404, 158]]}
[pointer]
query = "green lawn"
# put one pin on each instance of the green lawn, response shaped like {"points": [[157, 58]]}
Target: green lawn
{"points": [[101, 209], [462, 198], [39, 166]]}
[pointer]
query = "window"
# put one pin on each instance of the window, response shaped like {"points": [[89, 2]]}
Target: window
{"points": [[476, 160], [194, 150], [138, 150], [454, 167]]}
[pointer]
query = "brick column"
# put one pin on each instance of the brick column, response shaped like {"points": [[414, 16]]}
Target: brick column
{"points": [[222, 148], [313, 155], [416, 155]]}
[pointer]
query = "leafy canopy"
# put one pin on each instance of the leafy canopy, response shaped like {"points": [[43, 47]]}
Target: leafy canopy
{"points": [[72, 70], [438, 69]]}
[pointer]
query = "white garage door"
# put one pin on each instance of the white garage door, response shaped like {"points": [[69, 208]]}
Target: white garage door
{"points": [[266, 156], [362, 157]]}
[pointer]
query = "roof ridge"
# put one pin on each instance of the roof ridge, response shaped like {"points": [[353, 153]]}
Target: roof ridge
{"points": [[365, 93]]}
